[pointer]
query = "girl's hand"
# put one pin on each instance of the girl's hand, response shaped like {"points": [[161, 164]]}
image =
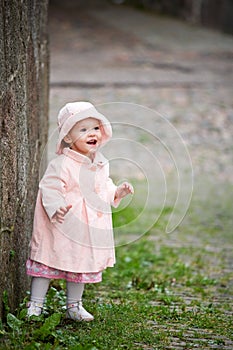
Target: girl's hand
{"points": [[59, 216], [123, 190]]}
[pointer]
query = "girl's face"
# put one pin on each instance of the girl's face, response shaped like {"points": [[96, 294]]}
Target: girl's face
{"points": [[85, 136]]}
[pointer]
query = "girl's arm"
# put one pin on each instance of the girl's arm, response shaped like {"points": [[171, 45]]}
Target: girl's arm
{"points": [[117, 193], [53, 191], [123, 190], [59, 216]]}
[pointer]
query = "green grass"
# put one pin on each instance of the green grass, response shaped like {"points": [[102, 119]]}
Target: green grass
{"points": [[164, 290]]}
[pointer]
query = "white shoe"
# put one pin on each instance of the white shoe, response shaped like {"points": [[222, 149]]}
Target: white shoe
{"points": [[77, 312], [34, 308]]}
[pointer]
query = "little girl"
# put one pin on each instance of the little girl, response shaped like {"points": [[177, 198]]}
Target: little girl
{"points": [[72, 234]]}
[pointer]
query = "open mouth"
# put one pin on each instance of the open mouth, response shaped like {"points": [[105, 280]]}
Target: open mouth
{"points": [[92, 142]]}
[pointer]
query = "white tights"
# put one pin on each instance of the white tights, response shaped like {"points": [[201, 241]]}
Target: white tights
{"points": [[40, 285]]}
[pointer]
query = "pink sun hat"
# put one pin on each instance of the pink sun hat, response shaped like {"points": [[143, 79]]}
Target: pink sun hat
{"points": [[72, 113]]}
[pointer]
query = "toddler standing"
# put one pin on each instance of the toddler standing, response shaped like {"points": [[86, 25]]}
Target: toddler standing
{"points": [[72, 235]]}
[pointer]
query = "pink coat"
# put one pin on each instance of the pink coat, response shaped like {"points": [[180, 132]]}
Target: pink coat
{"points": [[84, 241]]}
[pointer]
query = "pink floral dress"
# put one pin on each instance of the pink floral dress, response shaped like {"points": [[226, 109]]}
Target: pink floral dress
{"points": [[37, 269]]}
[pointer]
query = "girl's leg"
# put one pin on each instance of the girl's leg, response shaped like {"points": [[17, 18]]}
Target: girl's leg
{"points": [[39, 288], [75, 310], [74, 292]]}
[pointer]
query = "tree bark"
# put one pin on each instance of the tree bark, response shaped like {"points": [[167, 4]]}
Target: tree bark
{"points": [[23, 135]]}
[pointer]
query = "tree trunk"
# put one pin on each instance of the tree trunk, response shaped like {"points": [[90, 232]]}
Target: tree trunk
{"points": [[23, 135]]}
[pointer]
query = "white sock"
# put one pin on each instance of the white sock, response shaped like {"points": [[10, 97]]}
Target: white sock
{"points": [[39, 288], [74, 292]]}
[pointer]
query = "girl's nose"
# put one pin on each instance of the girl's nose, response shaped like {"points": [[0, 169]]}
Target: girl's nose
{"points": [[92, 132]]}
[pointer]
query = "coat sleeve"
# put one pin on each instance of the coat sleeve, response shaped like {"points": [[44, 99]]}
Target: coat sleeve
{"points": [[111, 188], [53, 188]]}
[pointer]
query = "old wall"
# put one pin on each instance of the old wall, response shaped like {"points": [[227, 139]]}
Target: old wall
{"points": [[217, 14]]}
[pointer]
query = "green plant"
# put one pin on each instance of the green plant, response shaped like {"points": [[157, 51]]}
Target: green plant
{"points": [[164, 290]]}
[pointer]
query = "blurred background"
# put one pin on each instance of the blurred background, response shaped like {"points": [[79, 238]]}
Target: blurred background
{"points": [[174, 57]]}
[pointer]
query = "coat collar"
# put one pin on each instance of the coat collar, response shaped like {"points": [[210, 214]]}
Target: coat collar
{"points": [[99, 159]]}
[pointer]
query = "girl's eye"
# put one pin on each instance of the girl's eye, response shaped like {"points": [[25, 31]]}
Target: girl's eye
{"points": [[83, 130], [97, 128]]}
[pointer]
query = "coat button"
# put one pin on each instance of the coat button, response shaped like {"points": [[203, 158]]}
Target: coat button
{"points": [[99, 214]]}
